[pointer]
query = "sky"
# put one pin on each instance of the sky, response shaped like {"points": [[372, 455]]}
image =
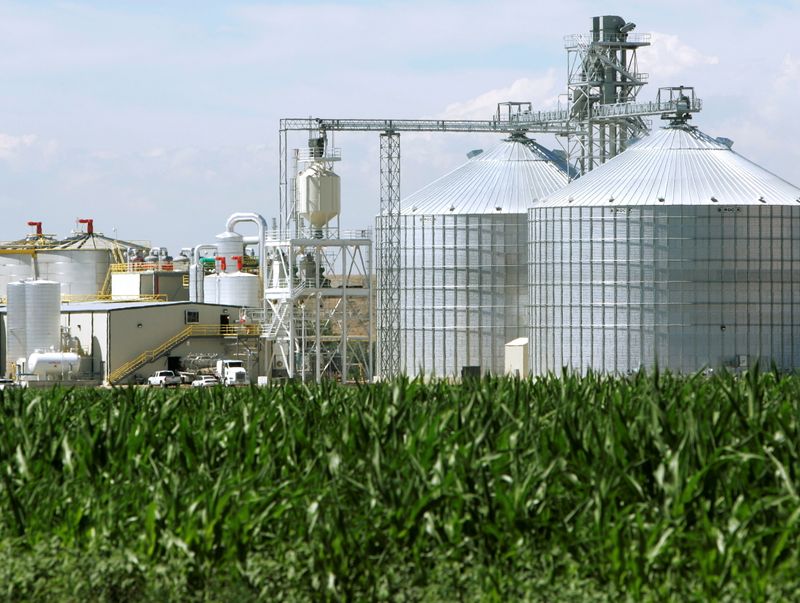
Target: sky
{"points": [[160, 119]]}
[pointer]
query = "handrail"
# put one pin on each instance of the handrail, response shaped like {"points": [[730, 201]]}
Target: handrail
{"points": [[142, 267], [107, 297], [189, 331]]}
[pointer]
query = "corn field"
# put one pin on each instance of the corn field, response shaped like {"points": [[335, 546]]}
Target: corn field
{"points": [[648, 487]]}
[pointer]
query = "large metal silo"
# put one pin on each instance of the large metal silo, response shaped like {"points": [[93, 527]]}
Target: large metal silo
{"points": [[80, 262], [463, 256], [678, 252]]}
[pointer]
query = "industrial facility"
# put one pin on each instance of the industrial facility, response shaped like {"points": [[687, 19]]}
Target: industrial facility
{"points": [[625, 248]]}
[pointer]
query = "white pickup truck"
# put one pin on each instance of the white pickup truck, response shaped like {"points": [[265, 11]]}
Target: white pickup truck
{"points": [[164, 379]]}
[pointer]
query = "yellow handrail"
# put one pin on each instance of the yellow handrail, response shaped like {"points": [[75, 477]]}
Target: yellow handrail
{"points": [[190, 331], [75, 298]]}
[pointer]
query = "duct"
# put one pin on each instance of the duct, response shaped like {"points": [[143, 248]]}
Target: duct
{"points": [[196, 272], [259, 221]]}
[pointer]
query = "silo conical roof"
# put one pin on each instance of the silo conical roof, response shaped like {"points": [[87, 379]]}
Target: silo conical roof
{"points": [[676, 165], [508, 178]]}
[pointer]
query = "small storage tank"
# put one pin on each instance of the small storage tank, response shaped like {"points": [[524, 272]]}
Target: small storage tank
{"points": [[16, 326], [42, 316], [678, 252], [318, 195], [230, 245], [239, 289], [53, 364], [211, 289], [463, 259]]}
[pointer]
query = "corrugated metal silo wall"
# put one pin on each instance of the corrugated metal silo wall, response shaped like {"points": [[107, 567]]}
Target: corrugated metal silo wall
{"points": [[463, 290], [619, 288]]}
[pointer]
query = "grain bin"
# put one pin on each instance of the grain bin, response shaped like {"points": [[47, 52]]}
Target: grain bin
{"points": [[679, 252], [463, 259]]}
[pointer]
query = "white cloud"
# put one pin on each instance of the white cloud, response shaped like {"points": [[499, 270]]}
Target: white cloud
{"points": [[541, 91], [10, 146], [668, 56]]}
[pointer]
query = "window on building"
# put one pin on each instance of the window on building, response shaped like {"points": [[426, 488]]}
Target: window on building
{"points": [[192, 316]]}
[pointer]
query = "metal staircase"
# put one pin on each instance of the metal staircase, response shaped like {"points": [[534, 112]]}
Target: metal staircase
{"points": [[191, 331]]}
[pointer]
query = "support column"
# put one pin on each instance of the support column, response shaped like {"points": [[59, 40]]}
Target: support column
{"points": [[389, 257]]}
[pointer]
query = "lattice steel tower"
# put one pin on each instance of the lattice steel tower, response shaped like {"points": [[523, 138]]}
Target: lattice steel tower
{"points": [[602, 71]]}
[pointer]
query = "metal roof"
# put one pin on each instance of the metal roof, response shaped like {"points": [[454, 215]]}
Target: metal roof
{"points": [[676, 165], [95, 241], [123, 305], [508, 178]]}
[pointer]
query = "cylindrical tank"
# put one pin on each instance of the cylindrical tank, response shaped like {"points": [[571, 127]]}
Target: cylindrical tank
{"points": [[463, 269], [42, 316], [211, 289], [16, 325], [196, 283], [229, 245], [239, 289], [318, 195], [677, 253], [53, 364]]}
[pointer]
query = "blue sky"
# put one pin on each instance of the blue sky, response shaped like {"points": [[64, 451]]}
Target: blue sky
{"points": [[160, 119]]}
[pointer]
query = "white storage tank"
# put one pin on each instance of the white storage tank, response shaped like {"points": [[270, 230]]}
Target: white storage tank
{"points": [[230, 245], [42, 316], [80, 263], [239, 289], [16, 326], [318, 195], [211, 288], [463, 259], [678, 252], [53, 364], [196, 276]]}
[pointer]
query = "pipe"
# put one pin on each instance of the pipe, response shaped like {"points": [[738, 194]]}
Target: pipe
{"points": [[195, 267], [223, 265], [38, 226], [89, 224], [259, 221], [239, 261]]}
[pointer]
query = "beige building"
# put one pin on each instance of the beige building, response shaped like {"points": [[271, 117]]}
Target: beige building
{"points": [[126, 342]]}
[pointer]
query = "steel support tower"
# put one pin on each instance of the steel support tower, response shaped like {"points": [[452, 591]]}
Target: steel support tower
{"points": [[389, 256], [602, 69]]}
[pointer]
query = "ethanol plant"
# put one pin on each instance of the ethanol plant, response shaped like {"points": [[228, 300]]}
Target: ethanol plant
{"points": [[678, 253], [463, 263]]}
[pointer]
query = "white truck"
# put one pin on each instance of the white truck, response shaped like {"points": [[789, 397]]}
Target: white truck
{"points": [[232, 372], [164, 379]]}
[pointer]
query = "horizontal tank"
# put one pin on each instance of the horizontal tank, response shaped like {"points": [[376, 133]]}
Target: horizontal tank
{"points": [[53, 364]]}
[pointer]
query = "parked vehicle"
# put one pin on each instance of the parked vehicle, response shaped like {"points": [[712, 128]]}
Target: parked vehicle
{"points": [[232, 372], [186, 378], [164, 379], [8, 384], [205, 381]]}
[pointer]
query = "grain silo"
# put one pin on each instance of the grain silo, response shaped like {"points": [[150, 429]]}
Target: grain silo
{"points": [[463, 259], [678, 252]]}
